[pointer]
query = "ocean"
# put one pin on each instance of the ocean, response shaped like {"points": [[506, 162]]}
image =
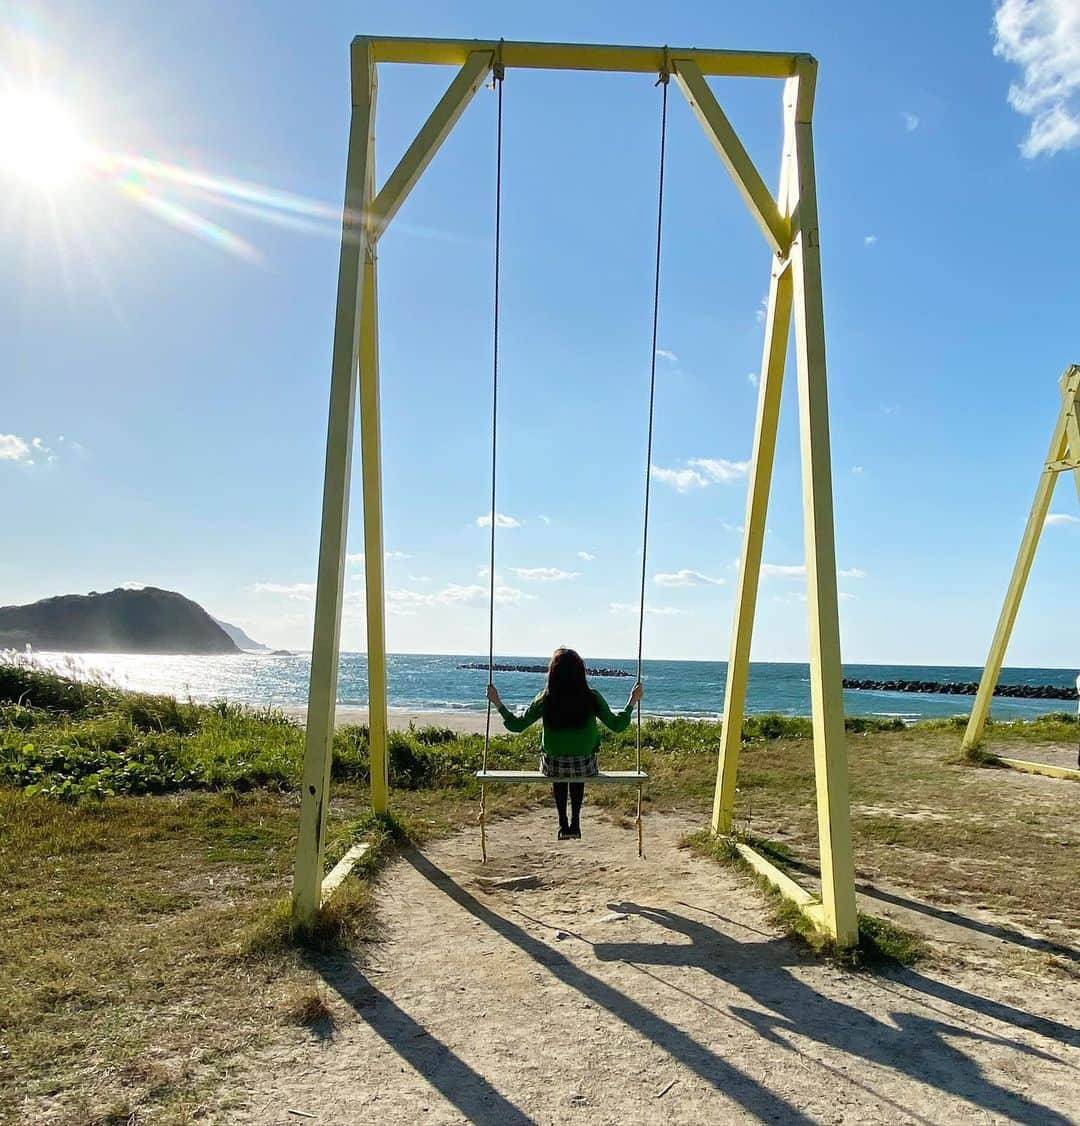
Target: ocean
{"points": [[421, 682]]}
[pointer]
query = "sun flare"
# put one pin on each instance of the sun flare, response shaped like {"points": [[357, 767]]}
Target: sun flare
{"points": [[39, 141]]}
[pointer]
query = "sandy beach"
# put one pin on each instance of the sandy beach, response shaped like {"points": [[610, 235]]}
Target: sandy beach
{"points": [[463, 722]]}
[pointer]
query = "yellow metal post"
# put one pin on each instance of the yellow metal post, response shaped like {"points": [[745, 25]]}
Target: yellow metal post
{"points": [[1064, 454], [826, 678], [771, 382], [315, 792], [371, 463]]}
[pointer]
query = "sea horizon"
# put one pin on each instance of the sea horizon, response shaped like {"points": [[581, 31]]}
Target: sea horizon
{"points": [[436, 682]]}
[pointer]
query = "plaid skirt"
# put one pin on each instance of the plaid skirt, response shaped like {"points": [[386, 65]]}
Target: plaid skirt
{"points": [[569, 766]]}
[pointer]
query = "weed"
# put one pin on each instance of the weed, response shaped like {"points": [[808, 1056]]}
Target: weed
{"points": [[309, 1008]]}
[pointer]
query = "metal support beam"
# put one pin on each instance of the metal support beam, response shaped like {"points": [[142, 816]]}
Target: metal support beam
{"points": [[322, 697], [826, 676], [736, 160], [426, 143], [371, 462], [770, 387], [587, 56], [1060, 449]]}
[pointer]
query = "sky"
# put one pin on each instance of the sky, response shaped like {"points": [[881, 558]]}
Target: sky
{"points": [[171, 180]]}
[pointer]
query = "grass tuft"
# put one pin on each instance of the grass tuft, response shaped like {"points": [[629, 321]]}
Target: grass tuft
{"points": [[309, 1008], [705, 842], [977, 755]]}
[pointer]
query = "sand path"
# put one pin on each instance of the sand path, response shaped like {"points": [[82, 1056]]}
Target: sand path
{"points": [[596, 988]]}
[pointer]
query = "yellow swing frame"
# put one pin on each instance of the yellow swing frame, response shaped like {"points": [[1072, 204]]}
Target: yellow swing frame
{"points": [[1062, 457], [789, 223]]}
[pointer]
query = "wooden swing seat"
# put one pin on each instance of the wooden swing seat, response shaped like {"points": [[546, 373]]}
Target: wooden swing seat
{"points": [[609, 776]]}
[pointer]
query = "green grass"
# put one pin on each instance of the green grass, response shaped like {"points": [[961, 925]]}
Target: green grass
{"points": [[68, 739]]}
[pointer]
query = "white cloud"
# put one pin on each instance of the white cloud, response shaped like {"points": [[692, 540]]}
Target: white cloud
{"points": [[732, 527], [798, 571], [453, 594], [911, 121], [700, 472], [586, 556], [752, 378], [357, 557], [845, 597], [1062, 518], [632, 608], [682, 479], [762, 310], [39, 448], [299, 591], [132, 585], [783, 570], [857, 470], [501, 521], [545, 519], [869, 240], [14, 448], [664, 354], [720, 469], [1042, 37], [544, 574], [685, 577]]}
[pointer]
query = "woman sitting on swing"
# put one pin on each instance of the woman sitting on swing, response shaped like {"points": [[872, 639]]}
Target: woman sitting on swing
{"points": [[571, 738]]}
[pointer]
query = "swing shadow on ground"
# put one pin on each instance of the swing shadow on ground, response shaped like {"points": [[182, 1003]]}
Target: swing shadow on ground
{"points": [[714, 1069], [944, 915], [461, 1085], [469, 1091], [916, 1046]]}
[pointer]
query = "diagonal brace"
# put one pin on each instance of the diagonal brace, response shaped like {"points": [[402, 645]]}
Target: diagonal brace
{"points": [[759, 199], [426, 143]]}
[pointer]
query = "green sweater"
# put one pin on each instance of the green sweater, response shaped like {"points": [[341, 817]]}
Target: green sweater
{"points": [[568, 741]]}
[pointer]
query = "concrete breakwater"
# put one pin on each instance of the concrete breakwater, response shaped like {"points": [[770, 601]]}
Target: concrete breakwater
{"points": [[1017, 691], [542, 669]]}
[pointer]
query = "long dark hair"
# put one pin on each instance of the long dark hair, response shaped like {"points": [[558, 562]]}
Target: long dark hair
{"points": [[568, 699]]}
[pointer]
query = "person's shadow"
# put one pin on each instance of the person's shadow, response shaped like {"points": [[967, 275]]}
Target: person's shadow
{"points": [[916, 1046]]}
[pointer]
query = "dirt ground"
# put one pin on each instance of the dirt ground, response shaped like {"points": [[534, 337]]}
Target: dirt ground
{"points": [[572, 982], [1056, 754]]}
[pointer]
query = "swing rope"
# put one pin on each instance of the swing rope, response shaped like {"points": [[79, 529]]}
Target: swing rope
{"points": [[498, 73], [663, 80]]}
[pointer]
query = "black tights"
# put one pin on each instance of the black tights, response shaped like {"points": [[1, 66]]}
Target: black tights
{"points": [[577, 796]]}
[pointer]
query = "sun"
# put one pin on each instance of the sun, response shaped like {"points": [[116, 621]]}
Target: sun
{"points": [[39, 141]]}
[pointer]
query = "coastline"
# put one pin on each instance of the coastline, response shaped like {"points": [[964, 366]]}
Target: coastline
{"points": [[461, 721]]}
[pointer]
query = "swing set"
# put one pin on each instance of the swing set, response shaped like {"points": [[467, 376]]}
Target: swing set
{"points": [[789, 223]]}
